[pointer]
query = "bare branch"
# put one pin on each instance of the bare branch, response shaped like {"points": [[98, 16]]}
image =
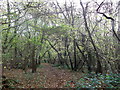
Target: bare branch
{"points": [[107, 17]]}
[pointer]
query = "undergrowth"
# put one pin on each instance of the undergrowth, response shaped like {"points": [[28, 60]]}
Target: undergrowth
{"points": [[97, 81]]}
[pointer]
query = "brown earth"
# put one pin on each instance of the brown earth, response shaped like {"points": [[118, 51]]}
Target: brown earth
{"points": [[45, 77]]}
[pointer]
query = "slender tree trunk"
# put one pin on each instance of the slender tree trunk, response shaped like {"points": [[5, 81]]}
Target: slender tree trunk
{"points": [[34, 64], [65, 52], [15, 48], [49, 55], [33, 60], [71, 63], [4, 46], [99, 66], [75, 59], [1, 69], [89, 62]]}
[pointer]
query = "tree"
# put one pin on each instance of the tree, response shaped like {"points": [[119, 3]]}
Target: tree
{"points": [[76, 38]]}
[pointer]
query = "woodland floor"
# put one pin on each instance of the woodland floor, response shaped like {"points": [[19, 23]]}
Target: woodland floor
{"points": [[46, 76]]}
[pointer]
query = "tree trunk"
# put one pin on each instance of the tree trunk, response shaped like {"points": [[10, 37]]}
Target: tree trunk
{"points": [[99, 66], [75, 59], [5, 46], [89, 62], [33, 60]]}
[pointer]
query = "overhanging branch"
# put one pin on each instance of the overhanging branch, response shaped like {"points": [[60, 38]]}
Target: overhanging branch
{"points": [[107, 17]]}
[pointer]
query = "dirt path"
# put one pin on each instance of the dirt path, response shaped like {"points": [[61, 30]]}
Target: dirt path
{"points": [[47, 77], [56, 77]]}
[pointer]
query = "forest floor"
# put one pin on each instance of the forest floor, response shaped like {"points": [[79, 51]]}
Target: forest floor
{"points": [[46, 76]]}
